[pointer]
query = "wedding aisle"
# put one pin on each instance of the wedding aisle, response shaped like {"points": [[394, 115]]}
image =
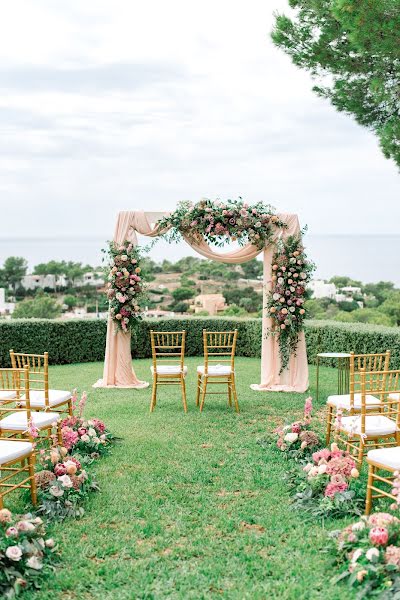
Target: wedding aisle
{"points": [[190, 505]]}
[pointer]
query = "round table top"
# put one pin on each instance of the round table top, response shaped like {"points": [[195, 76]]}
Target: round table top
{"points": [[334, 355]]}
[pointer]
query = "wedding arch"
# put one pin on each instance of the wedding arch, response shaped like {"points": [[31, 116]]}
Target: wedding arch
{"points": [[273, 229]]}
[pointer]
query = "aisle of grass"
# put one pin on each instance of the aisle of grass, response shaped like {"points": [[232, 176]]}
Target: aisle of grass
{"points": [[191, 506]]}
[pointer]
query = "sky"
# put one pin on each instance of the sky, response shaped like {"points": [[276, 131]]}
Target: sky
{"points": [[116, 105]]}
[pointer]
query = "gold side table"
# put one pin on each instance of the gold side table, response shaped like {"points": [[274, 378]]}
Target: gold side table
{"points": [[343, 361]]}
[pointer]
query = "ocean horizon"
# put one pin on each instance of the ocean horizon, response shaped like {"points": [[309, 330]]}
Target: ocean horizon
{"points": [[368, 258]]}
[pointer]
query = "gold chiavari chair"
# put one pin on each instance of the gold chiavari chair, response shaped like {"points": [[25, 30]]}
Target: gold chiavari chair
{"points": [[15, 418], [370, 428], [351, 403], [42, 398], [17, 457], [219, 365], [384, 459], [168, 351]]}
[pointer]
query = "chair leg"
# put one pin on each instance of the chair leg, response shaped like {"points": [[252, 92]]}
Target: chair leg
{"points": [[198, 389], [230, 392], [153, 395], [31, 468], [70, 410], [360, 454], [235, 398], [203, 394], [329, 425], [183, 384], [368, 501]]}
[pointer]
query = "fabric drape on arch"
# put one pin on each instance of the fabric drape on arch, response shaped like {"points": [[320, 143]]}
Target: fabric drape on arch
{"points": [[118, 371]]}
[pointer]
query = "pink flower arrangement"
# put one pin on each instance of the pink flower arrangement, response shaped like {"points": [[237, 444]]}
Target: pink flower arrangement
{"points": [[335, 488], [333, 469]]}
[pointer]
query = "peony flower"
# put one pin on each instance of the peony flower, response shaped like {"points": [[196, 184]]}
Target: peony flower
{"points": [[335, 488], [5, 516], [373, 553], [381, 519], [379, 536], [34, 563], [66, 481], [25, 526], [296, 427], [14, 553], [12, 532], [60, 469]]}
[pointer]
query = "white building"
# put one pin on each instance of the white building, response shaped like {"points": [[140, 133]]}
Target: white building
{"points": [[321, 289], [6, 308], [33, 282]]}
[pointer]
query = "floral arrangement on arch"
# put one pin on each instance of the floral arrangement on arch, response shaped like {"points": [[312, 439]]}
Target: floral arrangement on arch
{"points": [[62, 484], [369, 555], [291, 272], [26, 554], [125, 287], [296, 440], [220, 222], [328, 485]]}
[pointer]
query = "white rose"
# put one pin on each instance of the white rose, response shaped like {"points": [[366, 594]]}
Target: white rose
{"points": [[321, 469], [85, 438], [359, 526], [34, 563], [307, 467], [90, 423], [372, 554], [66, 481], [103, 436], [291, 437], [56, 491], [92, 432], [313, 472], [14, 553], [50, 543], [96, 440]]}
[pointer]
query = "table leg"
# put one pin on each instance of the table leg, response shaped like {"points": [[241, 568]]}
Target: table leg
{"points": [[317, 391]]}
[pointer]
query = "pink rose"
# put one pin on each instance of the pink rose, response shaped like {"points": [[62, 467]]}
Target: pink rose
{"points": [[296, 428], [60, 470]]}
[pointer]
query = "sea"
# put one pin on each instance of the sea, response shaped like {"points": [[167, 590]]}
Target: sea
{"points": [[367, 258]]}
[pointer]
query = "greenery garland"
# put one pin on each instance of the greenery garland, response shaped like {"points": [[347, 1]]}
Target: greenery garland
{"points": [[125, 288], [291, 271], [221, 222]]}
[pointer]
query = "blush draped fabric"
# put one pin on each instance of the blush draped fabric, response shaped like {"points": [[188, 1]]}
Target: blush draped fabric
{"points": [[118, 371]]}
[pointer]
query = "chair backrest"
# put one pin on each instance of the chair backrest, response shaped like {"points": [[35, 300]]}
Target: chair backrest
{"points": [[14, 383], [219, 347], [386, 386], [38, 365], [168, 347], [370, 363]]}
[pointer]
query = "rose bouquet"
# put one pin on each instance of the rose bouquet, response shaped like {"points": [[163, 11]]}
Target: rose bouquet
{"points": [[25, 553], [87, 437], [221, 222], [328, 485], [62, 484], [125, 287], [369, 555], [296, 440], [291, 272]]}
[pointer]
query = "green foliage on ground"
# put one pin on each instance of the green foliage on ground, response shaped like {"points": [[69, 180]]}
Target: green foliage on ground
{"points": [[191, 507]]}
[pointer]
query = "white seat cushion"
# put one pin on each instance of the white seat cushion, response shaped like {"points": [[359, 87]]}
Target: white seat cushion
{"points": [[389, 457], [374, 425], [343, 401], [12, 450], [56, 397], [394, 396], [215, 370], [169, 370], [7, 395], [18, 421]]}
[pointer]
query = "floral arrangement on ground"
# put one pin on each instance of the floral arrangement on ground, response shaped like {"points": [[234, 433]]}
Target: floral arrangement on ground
{"points": [[368, 555], [125, 287], [220, 222], [26, 554], [291, 272], [328, 486]]}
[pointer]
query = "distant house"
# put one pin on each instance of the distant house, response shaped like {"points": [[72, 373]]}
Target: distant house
{"points": [[321, 289], [33, 282], [212, 303], [94, 278], [6, 308]]}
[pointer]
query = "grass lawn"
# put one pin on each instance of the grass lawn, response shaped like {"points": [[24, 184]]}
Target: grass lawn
{"points": [[191, 506]]}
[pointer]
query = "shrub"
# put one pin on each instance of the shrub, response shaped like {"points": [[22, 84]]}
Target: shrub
{"points": [[84, 341], [42, 306]]}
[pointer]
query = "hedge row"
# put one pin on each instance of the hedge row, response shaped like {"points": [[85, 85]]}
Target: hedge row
{"points": [[84, 341]]}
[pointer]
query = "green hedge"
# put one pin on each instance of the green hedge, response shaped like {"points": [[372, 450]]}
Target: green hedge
{"points": [[84, 341]]}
